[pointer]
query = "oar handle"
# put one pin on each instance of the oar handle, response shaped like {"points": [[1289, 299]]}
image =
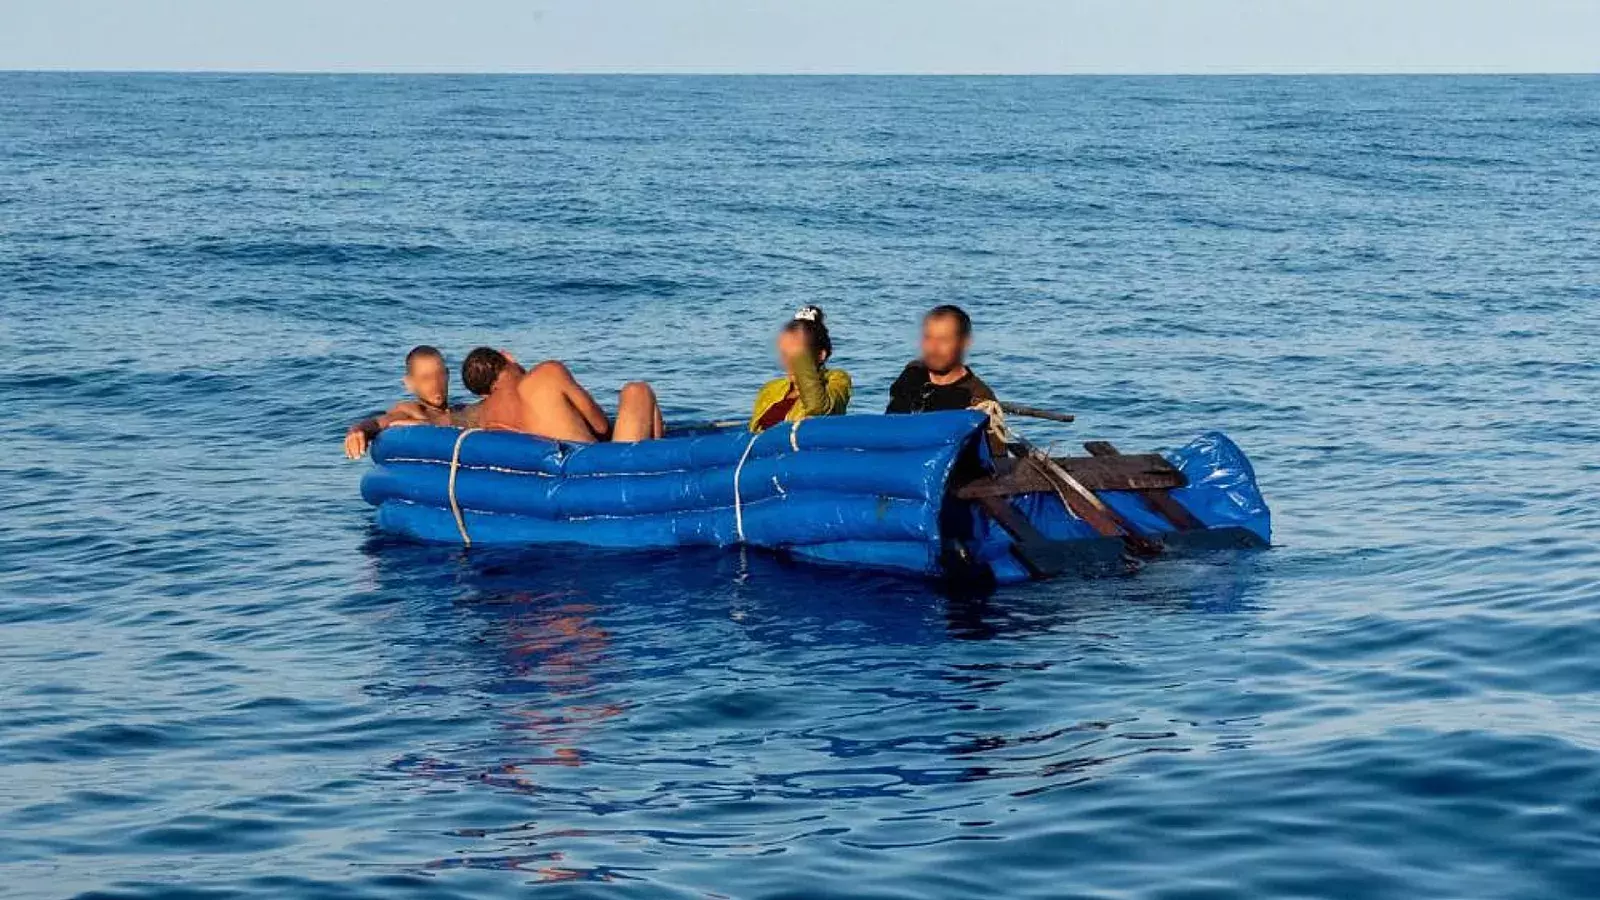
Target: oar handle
{"points": [[706, 426], [1033, 412], [1010, 409]]}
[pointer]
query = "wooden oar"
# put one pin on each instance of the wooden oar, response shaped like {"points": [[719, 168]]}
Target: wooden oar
{"points": [[707, 426], [1034, 412], [1010, 409]]}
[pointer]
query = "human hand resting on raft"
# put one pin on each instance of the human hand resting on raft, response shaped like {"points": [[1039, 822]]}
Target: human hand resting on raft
{"points": [[428, 381], [360, 436], [356, 441]]}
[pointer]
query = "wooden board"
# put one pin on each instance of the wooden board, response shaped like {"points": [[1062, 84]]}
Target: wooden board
{"points": [[1158, 499], [1046, 558], [1081, 501], [1040, 474], [1146, 471]]}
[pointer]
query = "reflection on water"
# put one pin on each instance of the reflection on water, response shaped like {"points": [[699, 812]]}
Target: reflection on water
{"points": [[765, 703]]}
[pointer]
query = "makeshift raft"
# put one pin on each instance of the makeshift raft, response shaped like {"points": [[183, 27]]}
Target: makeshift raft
{"points": [[922, 494]]}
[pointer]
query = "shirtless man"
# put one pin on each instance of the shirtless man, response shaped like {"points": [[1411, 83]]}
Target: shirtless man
{"points": [[547, 401], [429, 382]]}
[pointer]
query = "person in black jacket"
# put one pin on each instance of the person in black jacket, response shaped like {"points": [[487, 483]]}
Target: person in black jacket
{"points": [[940, 379]]}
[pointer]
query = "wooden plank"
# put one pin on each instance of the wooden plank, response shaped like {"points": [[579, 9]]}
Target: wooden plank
{"points": [[1090, 509], [1008, 518], [1158, 499], [1123, 473], [1143, 471], [1075, 481], [1037, 553], [1045, 557]]}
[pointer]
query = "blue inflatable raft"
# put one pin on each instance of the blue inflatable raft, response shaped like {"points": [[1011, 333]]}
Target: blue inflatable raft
{"points": [[919, 494]]}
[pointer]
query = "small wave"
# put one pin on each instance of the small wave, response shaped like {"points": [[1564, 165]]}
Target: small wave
{"points": [[298, 252]]}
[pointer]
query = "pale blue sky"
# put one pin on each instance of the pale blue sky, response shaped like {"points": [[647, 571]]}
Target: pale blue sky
{"points": [[804, 35]]}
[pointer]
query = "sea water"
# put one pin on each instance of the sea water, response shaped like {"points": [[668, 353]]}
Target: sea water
{"points": [[217, 681]]}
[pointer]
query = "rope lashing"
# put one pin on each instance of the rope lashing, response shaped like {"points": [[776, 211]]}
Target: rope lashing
{"points": [[738, 502], [1059, 478], [997, 420], [455, 507]]}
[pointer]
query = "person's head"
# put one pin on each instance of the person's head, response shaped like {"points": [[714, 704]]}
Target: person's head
{"points": [[426, 376], [484, 367], [946, 335], [807, 332]]}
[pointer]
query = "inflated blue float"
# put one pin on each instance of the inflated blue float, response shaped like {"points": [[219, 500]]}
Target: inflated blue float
{"points": [[920, 494]]}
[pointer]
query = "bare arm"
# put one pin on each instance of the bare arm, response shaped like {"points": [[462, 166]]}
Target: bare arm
{"points": [[369, 426], [590, 410], [816, 397], [366, 431]]}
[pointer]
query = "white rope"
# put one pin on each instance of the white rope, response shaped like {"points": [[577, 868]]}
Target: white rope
{"points": [[455, 508], [738, 503], [997, 420], [1059, 477], [794, 435]]}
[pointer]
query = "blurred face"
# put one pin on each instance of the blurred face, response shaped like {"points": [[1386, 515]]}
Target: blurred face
{"points": [[428, 380], [943, 346], [790, 345]]}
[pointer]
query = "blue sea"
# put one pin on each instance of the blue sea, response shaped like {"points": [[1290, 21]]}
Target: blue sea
{"points": [[217, 681]]}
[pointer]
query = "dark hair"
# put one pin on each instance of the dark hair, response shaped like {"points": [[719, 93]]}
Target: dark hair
{"points": [[810, 321], [481, 369], [963, 321], [423, 351]]}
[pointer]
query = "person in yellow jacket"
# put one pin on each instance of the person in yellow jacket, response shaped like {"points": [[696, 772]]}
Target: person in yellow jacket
{"points": [[809, 388]]}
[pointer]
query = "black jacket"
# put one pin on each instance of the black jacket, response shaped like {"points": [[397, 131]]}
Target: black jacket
{"points": [[913, 392]]}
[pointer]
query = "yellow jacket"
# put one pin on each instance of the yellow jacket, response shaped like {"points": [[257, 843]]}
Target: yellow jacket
{"points": [[822, 392]]}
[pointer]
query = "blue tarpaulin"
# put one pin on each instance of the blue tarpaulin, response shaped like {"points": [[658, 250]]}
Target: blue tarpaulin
{"points": [[861, 490]]}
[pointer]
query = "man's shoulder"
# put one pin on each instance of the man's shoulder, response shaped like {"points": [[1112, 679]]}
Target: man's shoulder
{"points": [[914, 372], [555, 366], [980, 389], [542, 373]]}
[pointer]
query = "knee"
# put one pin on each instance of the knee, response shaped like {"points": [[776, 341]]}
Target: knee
{"points": [[637, 392]]}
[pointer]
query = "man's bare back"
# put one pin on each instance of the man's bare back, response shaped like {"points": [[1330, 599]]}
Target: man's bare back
{"points": [[547, 401]]}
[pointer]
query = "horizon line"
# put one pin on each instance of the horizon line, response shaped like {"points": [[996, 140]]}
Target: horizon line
{"points": [[1222, 72]]}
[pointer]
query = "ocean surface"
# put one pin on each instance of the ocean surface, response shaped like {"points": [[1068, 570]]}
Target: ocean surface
{"points": [[217, 681]]}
